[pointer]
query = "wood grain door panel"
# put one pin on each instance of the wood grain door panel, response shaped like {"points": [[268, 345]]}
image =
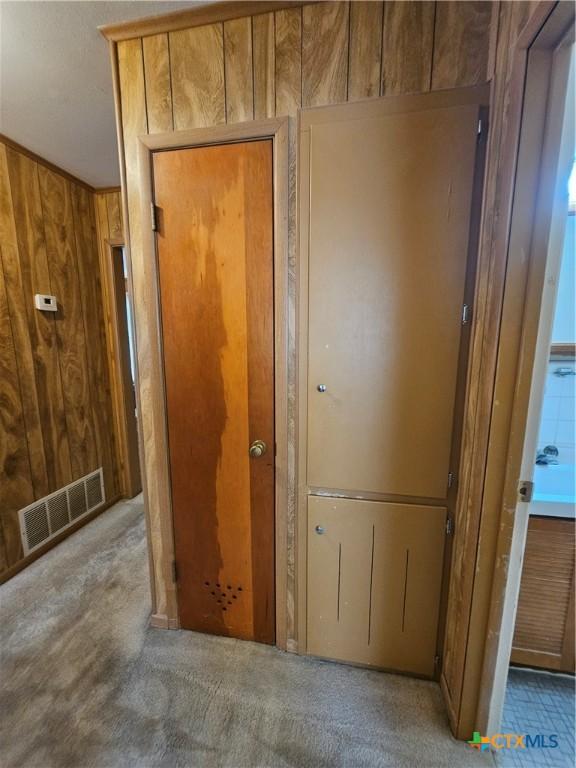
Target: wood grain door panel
{"points": [[215, 255], [390, 205], [374, 580]]}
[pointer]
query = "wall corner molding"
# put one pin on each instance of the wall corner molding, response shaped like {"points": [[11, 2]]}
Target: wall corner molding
{"points": [[196, 16]]}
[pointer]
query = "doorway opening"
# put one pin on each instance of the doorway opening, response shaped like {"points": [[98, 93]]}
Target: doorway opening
{"points": [[541, 687], [530, 688], [123, 368]]}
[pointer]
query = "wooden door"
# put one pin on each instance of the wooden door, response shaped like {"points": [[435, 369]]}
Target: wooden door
{"points": [[389, 230], [215, 257]]}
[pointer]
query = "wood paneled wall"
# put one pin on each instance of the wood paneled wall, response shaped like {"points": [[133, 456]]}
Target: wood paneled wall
{"points": [[55, 408], [108, 208], [255, 67], [110, 230]]}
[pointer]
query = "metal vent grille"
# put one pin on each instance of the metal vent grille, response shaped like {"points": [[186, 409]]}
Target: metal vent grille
{"points": [[47, 517], [77, 500], [94, 491], [36, 524], [58, 516]]}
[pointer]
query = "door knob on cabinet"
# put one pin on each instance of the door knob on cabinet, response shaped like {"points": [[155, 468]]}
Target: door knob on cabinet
{"points": [[257, 449], [319, 529], [321, 387]]}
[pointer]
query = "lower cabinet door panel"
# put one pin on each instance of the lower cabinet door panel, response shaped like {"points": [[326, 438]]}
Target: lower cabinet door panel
{"points": [[374, 582]]}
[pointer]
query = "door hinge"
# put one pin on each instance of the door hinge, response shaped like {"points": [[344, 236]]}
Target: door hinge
{"points": [[436, 662], [480, 126], [153, 218], [466, 314], [449, 526], [174, 572], [525, 490], [450, 479]]}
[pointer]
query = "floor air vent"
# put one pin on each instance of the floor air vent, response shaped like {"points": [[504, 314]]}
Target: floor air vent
{"points": [[58, 516], [94, 491], [77, 502], [47, 517]]}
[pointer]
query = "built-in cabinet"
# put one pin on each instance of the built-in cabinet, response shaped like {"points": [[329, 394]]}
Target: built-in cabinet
{"points": [[374, 582], [387, 254]]}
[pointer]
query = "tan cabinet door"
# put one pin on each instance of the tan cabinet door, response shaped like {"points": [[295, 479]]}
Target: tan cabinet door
{"points": [[389, 220], [374, 580]]}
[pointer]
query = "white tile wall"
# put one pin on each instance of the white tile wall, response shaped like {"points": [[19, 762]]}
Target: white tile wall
{"points": [[558, 420]]}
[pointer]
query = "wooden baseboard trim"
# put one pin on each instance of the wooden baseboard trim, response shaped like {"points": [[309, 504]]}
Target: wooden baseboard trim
{"points": [[29, 559], [161, 621]]}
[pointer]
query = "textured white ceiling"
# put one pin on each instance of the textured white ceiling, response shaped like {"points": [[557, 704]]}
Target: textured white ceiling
{"points": [[56, 85]]}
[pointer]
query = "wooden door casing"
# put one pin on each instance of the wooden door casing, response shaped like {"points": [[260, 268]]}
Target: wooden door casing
{"points": [[215, 263]]}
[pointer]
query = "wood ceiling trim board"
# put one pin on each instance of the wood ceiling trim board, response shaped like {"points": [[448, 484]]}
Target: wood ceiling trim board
{"points": [[197, 16], [46, 163], [106, 190]]}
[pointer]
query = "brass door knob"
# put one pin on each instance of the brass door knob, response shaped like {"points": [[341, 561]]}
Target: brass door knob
{"points": [[257, 449]]}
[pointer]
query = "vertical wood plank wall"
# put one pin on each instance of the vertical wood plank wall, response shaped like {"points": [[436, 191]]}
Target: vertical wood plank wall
{"points": [[55, 407], [108, 208], [269, 65], [109, 227]]}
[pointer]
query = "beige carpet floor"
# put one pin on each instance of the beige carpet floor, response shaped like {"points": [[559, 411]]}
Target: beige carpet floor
{"points": [[86, 683]]}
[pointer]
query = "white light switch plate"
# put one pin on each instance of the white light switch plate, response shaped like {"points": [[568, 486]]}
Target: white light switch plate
{"points": [[46, 303]]}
